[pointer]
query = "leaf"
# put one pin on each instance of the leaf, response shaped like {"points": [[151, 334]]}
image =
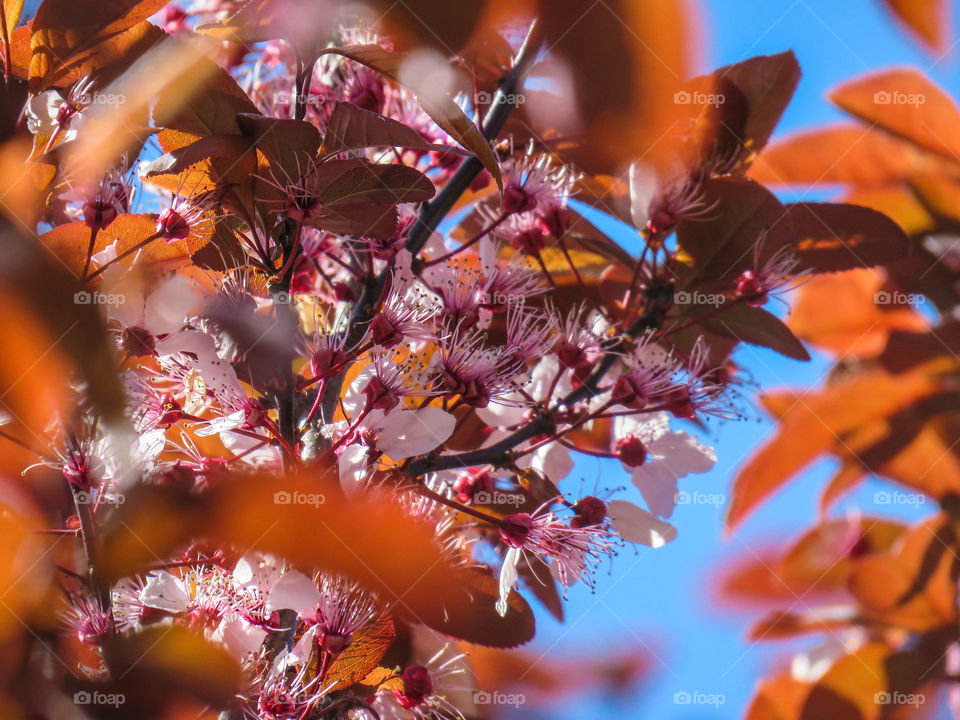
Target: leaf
{"points": [[915, 584], [838, 313], [230, 147], [779, 697], [351, 128], [926, 19], [727, 241], [833, 237], [756, 326], [441, 108], [848, 690], [69, 242], [156, 665], [377, 184], [629, 114], [74, 328], [853, 154], [70, 36], [538, 580], [816, 566], [289, 145], [765, 83], [908, 105], [813, 426], [787, 624], [12, 9], [479, 623], [174, 85], [363, 654]]}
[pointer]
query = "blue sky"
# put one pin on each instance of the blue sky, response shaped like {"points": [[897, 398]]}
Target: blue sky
{"points": [[663, 599]]}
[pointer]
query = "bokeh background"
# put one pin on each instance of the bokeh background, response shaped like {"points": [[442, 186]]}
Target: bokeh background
{"points": [[665, 600]]}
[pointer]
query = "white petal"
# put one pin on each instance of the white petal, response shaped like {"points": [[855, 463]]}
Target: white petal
{"points": [[508, 578], [682, 454], [406, 433], [222, 423], [42, 112], [553, 461], [238, 636], [352, 467], [636, 525], [643, 188], [164, 591], [294, 591], [659, 489], [168, 305]]}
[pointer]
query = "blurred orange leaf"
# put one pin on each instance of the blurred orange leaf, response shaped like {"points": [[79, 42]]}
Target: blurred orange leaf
{"points": [[814, 425]]}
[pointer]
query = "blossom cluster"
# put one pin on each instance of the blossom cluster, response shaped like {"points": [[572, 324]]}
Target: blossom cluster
{"points": [[444, 373]]}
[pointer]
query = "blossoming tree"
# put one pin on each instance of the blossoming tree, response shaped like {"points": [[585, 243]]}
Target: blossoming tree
{"points": [[308, 316]]}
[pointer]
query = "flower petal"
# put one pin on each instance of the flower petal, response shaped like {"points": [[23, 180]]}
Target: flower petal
{"points": [[636, 525]]}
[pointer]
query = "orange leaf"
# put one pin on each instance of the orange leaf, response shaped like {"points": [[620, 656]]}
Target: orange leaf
{"points": [[927, 19], [852, 154], [838, 313], [813, 426], [905, 103], [913, 585], [363, 654]]}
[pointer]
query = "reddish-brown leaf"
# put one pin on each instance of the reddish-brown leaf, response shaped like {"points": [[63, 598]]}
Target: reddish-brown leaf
{"points": [[833, 237]]}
